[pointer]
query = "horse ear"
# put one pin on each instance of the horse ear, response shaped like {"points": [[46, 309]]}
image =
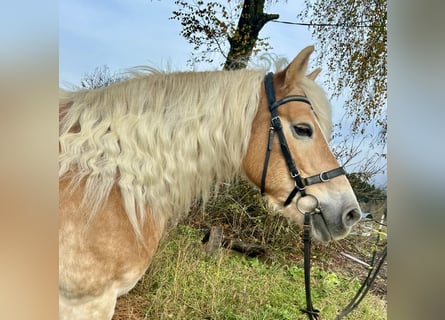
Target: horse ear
{"points": [[296, 70], [314, 74]]}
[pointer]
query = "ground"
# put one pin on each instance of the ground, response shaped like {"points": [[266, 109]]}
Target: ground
{"points": [[326, 257]]}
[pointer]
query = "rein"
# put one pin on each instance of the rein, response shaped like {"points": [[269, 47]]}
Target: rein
{"points": [[374, 267], [312, 313]]}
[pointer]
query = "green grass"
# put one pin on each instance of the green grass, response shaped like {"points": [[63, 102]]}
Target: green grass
{"points": [[184, 283]]}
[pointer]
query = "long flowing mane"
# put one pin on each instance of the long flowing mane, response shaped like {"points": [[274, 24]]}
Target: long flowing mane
{"points": [[163, 138]]}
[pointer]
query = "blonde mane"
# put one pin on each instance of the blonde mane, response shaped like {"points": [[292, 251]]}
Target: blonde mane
{"points": [[163, 138]]}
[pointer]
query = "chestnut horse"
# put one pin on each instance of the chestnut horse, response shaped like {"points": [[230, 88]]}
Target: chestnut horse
{"points": [[136, 154]]}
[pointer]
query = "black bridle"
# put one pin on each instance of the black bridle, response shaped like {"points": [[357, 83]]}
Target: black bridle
{"points": [[276, 126], [300, 186], [300, 182]]}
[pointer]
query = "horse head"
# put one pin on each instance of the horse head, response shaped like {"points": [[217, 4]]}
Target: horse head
{"points": [[289, 157]]}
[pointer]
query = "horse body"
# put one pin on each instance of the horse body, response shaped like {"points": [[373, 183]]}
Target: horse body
{"points": [[134, 155]]}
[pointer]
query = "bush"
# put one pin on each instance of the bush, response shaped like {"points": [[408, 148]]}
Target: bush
{"points": [[245, 215]]}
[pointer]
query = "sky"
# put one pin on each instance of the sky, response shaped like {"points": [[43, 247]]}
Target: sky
{"points": [[122, 34]]}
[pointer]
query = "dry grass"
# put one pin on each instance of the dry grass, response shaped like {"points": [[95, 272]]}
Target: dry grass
{"points": [[184, 283]]}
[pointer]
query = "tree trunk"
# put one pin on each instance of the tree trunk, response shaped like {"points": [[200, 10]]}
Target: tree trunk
{"points": [[251, 21]]}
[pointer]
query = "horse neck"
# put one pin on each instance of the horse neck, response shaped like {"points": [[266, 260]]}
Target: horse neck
{"points": [[211, 134], [175, 137], [222, 118]]}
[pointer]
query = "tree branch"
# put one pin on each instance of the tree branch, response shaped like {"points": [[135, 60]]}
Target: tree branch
{"points": [[250, 23]]}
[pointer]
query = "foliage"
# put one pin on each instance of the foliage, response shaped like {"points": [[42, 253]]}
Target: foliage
{"points": [[206, 26], [244, 214], [184, 283], [364, 154], [213, 28], [100, 77], [352, 39], [363, 190]]}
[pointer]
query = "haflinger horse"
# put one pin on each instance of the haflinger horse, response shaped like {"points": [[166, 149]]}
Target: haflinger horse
{"points": [[134, 156]]}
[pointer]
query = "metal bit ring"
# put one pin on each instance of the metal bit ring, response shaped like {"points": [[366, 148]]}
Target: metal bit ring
{"points": [[312, 208]]}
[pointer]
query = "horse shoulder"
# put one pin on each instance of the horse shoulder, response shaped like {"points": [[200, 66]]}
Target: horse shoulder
{"points": [[100, 252]]}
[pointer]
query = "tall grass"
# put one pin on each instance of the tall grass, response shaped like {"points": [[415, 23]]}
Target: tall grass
{"points": [[183, 282]]}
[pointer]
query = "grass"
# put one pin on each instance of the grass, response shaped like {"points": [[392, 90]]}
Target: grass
{"points": [[183, 282]]}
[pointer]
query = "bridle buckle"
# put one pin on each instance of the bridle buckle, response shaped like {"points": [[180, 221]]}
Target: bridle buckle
{"points": [[324, 179], [276, 123], [294, 174]]}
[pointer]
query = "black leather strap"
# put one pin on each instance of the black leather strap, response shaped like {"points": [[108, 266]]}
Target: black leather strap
{"points": [[312, 313], [276, 126], [324, 176], [270, 91], [290, 98]]}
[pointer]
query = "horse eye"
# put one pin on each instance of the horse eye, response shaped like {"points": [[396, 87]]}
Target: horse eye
{"points": [[302, 130]]}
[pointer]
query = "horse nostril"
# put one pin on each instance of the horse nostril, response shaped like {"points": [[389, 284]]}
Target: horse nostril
{"points": [[352, 217]]}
